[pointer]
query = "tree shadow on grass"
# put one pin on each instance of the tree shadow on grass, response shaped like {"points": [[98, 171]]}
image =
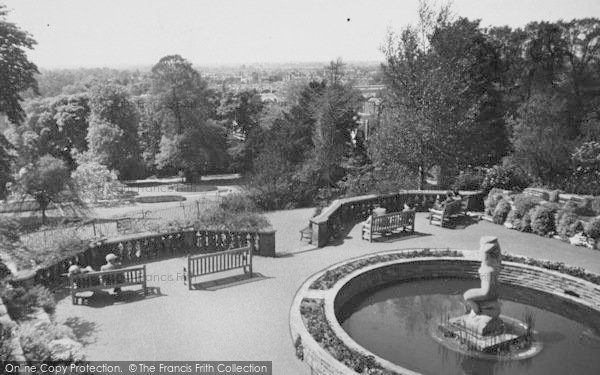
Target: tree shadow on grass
{"points": [[83, 330]]}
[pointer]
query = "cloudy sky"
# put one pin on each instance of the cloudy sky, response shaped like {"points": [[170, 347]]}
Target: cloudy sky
{"points": [[116, 33]]}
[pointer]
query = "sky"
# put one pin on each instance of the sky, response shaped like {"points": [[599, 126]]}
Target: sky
{"points": [[121, 33]]}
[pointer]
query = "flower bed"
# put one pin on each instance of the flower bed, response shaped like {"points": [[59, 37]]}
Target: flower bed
{"points": [[313, 315], [330, 277], [554, 266]]}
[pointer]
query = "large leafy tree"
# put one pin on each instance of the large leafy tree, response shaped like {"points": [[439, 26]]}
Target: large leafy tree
{"points": [[112, 134], [539, 144], [336, 114], [56, 126], [190, 141], [48, 180], [240, 113], [442, 106], [17, 74], [551, 91]]}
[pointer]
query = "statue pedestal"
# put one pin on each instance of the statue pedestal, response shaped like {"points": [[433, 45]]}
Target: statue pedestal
{"points": [[480, 325], [482, 333]]}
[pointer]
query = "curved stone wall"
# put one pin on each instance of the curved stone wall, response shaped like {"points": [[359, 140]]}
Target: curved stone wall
{"points": [[580, 293]]}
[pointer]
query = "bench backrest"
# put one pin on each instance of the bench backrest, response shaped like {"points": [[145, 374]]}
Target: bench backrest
{"points": [[393, 220], [131, 275], [220, 261], [452, 208]]}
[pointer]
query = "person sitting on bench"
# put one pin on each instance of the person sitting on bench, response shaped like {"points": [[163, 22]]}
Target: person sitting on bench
{"points": [[76, 270], [112, 264]]}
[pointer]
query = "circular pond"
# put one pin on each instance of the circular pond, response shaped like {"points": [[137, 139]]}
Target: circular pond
{"points": [[399, 322]]}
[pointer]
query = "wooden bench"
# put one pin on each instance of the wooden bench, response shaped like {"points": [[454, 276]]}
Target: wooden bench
{"points": [[205, 264], [450, 211], [100, 280], [388, 223]]}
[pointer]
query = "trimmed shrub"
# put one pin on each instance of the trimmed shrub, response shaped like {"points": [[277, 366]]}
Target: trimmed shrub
{"points": [[501, 211], [542, 220], [524, 203], [470, 180], [508, 177], [238, 203], [38, 340], [525, 225], [494, 196], [522, 223], [568, 225], [592, 228], [20, 302], [568, 208]]}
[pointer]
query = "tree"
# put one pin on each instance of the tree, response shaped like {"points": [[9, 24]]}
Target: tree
{"points": [[190, 141], [17, 74], [112, 134], [72, 119], [5, 161], [240, 113], [47, 180], [539, 141], [94, 181], [335, 113], [149, 134], [442, 106]]}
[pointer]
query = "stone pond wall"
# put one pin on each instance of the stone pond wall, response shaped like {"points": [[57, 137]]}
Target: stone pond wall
{"points": [[582, 296]]}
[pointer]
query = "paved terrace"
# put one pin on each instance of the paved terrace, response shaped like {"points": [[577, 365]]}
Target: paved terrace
{"points": [[249, 320]]}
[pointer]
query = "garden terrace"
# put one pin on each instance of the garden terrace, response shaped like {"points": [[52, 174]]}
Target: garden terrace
{"points": [[346, 211], [245, 319]]}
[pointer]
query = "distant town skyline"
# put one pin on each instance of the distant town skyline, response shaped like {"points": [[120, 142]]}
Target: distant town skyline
{"points": [[110, 33]]}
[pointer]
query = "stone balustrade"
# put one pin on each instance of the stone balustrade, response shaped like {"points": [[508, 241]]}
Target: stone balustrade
{"points": [[344, 211], [140, 248]]}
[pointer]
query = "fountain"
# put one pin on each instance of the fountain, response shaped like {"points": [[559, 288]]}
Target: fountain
{"points": [[446, 312], [483, 329]]}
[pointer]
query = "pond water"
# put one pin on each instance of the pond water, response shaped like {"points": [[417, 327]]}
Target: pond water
{"points": [[397, 322]]}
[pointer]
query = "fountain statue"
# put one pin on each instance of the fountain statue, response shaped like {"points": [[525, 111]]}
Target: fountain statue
{"points": [[484, 317], [482, 329]]}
